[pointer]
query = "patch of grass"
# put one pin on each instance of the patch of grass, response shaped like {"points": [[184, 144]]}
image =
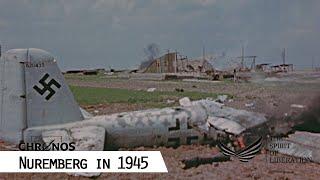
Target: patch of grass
{"points": [[99, 78], [93, 95], [86, 78]]}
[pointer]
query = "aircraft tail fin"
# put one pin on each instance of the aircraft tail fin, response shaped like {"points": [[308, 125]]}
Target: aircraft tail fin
{"points": [[48, 97], [33, 93]]}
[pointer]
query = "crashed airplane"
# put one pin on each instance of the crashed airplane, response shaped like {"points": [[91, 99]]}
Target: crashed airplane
{"points": [[35, 101]]}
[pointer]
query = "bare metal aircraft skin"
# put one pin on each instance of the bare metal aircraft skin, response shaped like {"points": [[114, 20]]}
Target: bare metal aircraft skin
{"points": [[46, 108]]}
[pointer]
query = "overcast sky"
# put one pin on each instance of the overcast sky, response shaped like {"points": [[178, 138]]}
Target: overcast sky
{"points": [[103, 33]]}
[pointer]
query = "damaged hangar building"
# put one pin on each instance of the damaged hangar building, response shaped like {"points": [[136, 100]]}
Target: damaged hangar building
{"points": [[173, 62]]}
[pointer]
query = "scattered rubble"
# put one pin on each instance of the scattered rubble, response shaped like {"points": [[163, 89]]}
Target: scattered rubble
{"points": [[179, 90], [169, 101], [10, 147], [197, 161], [249, 105], [86, 174], [96, 111], [222, 98], [109, 73], [151, 89], [200, 80], [297, 106], [209, 99], [185, 102], [272, 79]]}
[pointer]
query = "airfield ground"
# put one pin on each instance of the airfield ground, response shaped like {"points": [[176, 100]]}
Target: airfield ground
{"points": [[100, 94], [273, 96]]}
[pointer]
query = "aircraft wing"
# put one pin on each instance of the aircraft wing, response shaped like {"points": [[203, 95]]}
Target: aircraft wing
{"points": [[86, 138]]}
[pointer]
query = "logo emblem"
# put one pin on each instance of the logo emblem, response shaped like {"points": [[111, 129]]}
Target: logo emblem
{"points": [[47, 86], [245, 154]]}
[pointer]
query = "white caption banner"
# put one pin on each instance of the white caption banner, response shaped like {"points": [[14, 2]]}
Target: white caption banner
{"points": [[82, 161]]}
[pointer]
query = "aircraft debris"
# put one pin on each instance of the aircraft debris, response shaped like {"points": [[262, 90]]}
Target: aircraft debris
{"points": [[96, 111], [86, 174], [11, 147], [200, 80], [151, 89], [297, 106], [109, 73], [85, 113], [249, 105], [179, 90], [169, 101], [210, 99], [185, 101], [193, 124], [226, 125], [197, 161], [222, 98]]}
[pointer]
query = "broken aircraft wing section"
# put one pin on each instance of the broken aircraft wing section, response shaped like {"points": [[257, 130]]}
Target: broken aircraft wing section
{"points": [[234, 121], [226, 125]]}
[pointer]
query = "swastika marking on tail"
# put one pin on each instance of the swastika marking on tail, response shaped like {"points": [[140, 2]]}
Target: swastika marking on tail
{"points": [[47, 86]]}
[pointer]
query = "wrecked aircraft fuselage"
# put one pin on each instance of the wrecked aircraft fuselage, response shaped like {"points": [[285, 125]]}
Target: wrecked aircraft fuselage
{"points": [[194, 124]]}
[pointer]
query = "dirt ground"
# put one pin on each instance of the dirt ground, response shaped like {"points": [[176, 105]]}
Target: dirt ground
{"points": [[272, 97], [257, 168]]}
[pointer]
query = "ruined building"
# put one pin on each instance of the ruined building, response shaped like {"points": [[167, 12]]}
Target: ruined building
{"points": [[175, 63], [282, 68]]}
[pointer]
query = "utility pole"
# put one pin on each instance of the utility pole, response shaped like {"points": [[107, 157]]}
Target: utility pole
{"points": [[166, 63], [203, 52], [284, 56], [176, 63], [242, 56], [253, 65], [312, 62]]}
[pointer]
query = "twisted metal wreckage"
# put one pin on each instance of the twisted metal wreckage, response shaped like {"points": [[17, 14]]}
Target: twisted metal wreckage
{"points": [[35, 101]]}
